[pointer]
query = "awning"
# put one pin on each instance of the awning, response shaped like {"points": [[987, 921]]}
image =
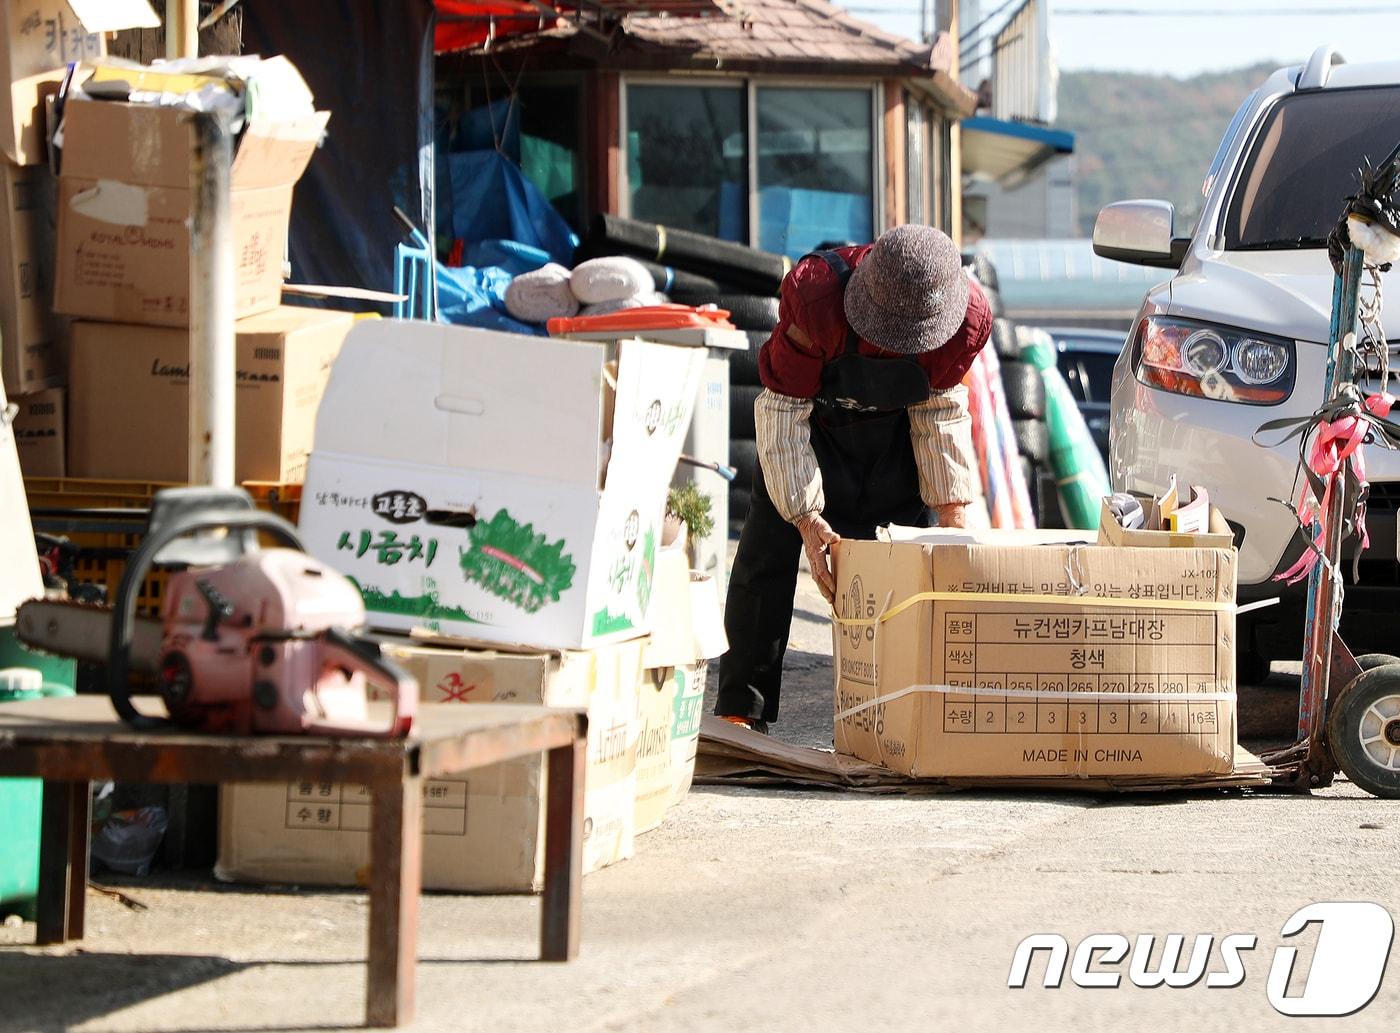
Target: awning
{"points": [[467, 24], [1007, 152]]}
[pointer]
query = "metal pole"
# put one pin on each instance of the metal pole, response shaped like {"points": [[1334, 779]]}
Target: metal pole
{"points": [[1321, 588], [211, 303], [181, 28]]}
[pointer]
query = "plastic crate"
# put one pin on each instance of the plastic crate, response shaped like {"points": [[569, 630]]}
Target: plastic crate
{"points": [[103, 554]]}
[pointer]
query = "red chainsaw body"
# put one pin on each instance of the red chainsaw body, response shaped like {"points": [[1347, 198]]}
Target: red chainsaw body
{"points": [[257, 646]]}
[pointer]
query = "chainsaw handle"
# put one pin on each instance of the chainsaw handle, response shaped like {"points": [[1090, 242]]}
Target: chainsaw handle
{"points": [[124, 606], [344, 650]]}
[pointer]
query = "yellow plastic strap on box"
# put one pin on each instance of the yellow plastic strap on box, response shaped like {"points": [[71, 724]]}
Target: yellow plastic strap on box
{"points": [[1202, 606], [1040, 696]]}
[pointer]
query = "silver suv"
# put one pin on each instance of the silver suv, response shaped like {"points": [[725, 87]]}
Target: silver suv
{"points": [[1237, 335]]}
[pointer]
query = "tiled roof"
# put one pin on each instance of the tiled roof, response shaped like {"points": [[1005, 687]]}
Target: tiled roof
{"points": [[782, 30]]}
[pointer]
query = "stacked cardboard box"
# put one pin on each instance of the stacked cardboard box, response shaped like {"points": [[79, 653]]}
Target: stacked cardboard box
{"points": [[518, 522], [103, 386]]}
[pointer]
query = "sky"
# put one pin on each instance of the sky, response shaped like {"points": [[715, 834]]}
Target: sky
{"points": [[1186, 37]]}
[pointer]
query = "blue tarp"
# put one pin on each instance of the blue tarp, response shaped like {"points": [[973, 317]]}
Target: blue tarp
{"points": [[468, 296], [483, 195]]}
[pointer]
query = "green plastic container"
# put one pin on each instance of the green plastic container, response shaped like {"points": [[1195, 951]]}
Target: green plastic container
{"points": [[21, 799]]}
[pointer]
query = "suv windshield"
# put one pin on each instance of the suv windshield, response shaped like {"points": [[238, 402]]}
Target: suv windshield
{"points": [[1304, 164]]}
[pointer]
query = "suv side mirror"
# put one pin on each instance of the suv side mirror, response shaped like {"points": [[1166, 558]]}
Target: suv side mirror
{"points": [[1140, 232]]}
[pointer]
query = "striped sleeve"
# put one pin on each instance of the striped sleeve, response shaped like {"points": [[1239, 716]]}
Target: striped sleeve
{"points": [[942, 432], [790, 469]]}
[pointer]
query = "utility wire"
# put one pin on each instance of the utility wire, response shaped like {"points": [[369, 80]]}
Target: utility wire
{"points": [[1215, 12]]}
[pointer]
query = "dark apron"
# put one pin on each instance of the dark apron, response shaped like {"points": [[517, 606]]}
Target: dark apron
{"points": [[860, 434]]}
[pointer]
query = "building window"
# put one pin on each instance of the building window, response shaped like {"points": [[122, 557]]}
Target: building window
{"points": [[687, 158], [691, 157], [940, 169], [917, 176], [550, 130], [815, 167]]}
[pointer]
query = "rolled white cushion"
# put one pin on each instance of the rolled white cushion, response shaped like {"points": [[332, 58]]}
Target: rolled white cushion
{"points": [[542, 295], [601, 280], [606, 308]]}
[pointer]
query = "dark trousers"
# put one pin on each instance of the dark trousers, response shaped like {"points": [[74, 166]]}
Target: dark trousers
{"points": [[758, 608]]}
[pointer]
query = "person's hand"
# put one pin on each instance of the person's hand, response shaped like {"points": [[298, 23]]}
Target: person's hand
{"points": [[817, 540], [954, 514]]}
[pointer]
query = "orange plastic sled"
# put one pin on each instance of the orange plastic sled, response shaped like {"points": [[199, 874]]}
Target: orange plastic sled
{"points": [[651, 317]]}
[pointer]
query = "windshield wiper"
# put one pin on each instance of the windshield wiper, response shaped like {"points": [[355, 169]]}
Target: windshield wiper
{"points": [[1291, 243]]}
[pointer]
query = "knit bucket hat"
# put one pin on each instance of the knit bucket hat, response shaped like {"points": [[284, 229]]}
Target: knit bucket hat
{"points": [[909, 295]]}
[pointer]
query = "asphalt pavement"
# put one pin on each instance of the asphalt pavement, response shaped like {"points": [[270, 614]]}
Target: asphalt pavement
{"points": [[784, 911]]}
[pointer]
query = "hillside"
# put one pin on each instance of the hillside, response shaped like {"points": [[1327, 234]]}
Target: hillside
{"points": [[1148, 135]]}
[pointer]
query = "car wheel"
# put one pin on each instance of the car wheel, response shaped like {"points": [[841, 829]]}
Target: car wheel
{"points": [[1363, 731]]}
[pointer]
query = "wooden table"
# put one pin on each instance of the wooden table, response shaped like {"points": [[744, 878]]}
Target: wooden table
{"points": [[69, 742]]}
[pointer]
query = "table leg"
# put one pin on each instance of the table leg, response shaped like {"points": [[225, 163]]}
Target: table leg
{"points": [[63, 862], [395, 884], [563, 853]]}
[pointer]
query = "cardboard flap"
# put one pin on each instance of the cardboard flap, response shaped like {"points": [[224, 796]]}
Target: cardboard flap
{"points": [[648, 433], [273, 154], [982, 536], [465, 399], [115, 15]]}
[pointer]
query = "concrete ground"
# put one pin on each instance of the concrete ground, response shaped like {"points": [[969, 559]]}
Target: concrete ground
{"points": [[773, 911]]}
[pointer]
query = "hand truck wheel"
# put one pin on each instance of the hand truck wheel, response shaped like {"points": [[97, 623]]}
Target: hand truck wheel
{"points": [[1363, 731], [1370, 661]]}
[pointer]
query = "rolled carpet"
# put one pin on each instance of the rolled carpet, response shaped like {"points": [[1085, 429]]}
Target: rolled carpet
{"points": [[604, 308], [759, 272], [602, 280], [542, 295]]}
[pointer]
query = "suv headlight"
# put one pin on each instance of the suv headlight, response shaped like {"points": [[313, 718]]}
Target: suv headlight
{"points": [[1208, 361]]}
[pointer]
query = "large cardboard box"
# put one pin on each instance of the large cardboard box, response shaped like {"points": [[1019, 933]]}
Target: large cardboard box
{"points": [[40, 39], [129, 393], [495, 486], [969, 658], [39, 433], [483, 833], [19, 564], [124, 211], [30, 358], [686, 633]]}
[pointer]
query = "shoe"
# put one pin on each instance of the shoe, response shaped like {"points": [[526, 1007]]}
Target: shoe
{"points": [[753, 724]]}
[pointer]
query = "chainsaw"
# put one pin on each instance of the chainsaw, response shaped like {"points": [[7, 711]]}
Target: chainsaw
{"points": [[249, 639]]}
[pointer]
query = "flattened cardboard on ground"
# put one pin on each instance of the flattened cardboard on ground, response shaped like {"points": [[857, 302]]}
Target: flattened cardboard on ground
{"points": [[1032, 661], [498, 487], [730, 755], [124, 211], [19, 565], [39, 433], [30, 358], [483, 833], [129, 396]]}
